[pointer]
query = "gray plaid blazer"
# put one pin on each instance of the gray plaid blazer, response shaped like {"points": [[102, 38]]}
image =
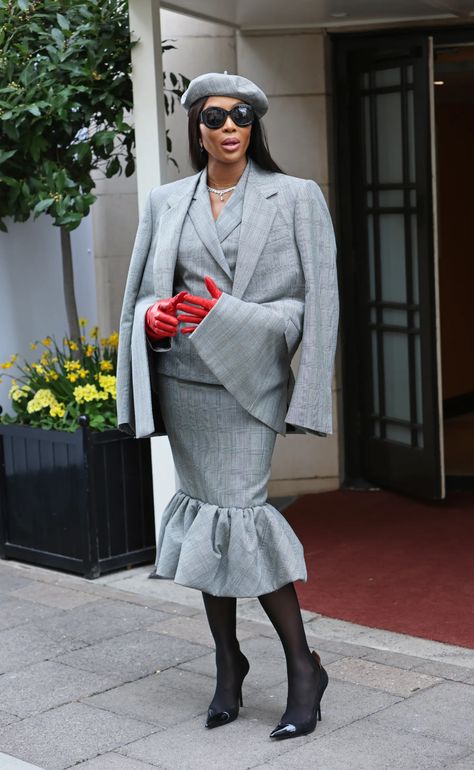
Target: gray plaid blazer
{"points": [[284, 291]]}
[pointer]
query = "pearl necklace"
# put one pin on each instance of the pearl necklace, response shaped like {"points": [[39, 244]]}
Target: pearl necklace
{"points": [[221, 193]]}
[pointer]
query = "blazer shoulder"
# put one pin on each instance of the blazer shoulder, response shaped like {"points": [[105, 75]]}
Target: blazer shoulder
{"points": [[161, 193], [297, 187]]}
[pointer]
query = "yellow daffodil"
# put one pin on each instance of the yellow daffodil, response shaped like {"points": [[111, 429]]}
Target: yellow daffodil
{"points": [[47, 341], [83, 321], [89, 350], [106, 366], [72, 377], [13, 358], [83, 339], [94, 331], [6, 365], [33, 345], [113, 339]]}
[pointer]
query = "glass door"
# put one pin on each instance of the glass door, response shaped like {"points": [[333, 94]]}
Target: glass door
{"points": [[388, 219]]}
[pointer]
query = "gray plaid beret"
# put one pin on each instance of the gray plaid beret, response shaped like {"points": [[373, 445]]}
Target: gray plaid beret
{"points": [[222, 84]]}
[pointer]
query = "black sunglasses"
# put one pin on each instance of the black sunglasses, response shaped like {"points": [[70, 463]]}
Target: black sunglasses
{"points": [[215, 117]]}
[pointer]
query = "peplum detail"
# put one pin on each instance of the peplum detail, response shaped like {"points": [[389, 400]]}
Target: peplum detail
{"points": [[227, 551]]}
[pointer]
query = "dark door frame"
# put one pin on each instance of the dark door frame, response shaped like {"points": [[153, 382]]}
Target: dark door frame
{"points": [[342, 163]]}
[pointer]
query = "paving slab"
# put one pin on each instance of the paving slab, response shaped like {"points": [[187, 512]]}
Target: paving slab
{"points": [[379, 676], [104, 619], [65, 735], [446, 671], [445, 711], [266, 658], [341, 630], [196, 629], [138, 581], [390, 658], [53, 596], [8, 762], [342, 704], [6, 718], [47, 684], [133, 655], [26, 644], [189, 745], [364, 746], [466, 763], [10, 581], [18, 612], [164, 699], [113, 761]]}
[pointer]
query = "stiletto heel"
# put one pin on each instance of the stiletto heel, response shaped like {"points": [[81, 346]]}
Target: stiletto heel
{"points": [[288, 730], [219, 718]]}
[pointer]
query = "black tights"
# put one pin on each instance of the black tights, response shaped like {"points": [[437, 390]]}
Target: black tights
{"points": [[282, 608]]}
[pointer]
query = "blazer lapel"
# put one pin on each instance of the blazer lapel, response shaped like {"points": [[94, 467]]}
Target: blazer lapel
{"points": [[168, 235], [201, 216], [257, 218]]}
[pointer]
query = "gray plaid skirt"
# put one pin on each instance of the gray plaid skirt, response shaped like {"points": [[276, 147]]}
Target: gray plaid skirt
{"points": [[218, 532]]}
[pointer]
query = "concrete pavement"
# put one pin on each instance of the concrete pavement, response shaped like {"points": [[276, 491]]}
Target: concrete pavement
{"points": [[117, 674]]}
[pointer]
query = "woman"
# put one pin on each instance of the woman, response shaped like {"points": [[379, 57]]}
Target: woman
{"points": [[232, 268]]}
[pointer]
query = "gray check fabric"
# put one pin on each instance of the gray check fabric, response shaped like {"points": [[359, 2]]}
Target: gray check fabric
{"points": [[218, 533]]}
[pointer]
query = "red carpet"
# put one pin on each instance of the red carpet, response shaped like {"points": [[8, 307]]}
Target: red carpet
{"points": [[384, 560]]}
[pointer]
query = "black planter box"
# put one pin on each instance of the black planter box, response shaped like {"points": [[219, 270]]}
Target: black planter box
{"points": [[81, 502]]}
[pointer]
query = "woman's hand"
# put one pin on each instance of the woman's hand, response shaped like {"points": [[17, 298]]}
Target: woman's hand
{"points": [[161, 320], [199, 307]]}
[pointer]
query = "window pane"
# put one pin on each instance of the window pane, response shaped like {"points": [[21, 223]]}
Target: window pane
{"points": [[396, 317], [389, 77], [389, 137], [418, 383], [375, 375], [392, 257], [397, 392], [411, 136], [398, 433], [368, 145], [370, 245], [390, 197], [414, 258]]}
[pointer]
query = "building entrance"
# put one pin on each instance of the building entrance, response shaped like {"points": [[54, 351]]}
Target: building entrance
{"points": [[389, 224]]}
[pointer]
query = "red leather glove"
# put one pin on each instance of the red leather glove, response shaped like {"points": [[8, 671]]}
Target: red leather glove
{"points": [[199, 307], [161, 320]]}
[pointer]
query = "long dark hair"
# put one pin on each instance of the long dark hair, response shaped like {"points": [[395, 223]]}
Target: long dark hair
{"points": [[257, 149]]}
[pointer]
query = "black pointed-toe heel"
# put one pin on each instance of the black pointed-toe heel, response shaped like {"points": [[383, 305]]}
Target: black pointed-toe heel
{"points": [[289, 730], [219, 718]]}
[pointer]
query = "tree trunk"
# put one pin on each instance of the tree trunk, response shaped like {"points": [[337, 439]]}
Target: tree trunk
{"points": [[68, 284]]}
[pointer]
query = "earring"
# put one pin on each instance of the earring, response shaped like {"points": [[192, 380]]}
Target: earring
{"points": [[201, 146]]}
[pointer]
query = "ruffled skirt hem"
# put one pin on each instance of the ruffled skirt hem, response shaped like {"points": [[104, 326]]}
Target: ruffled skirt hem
{"points": [[238, 552]]}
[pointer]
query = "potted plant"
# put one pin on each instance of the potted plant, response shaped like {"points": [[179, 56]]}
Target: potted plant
{"points": [[75, 492]]}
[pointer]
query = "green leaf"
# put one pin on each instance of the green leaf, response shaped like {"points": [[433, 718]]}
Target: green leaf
{"points": [[34, 109], [42, 206], [23, 5], [6, 154], [62, 21], [58, 37]]}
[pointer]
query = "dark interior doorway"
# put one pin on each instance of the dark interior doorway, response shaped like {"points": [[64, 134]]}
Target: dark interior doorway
{"points": [[454, 129]]}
